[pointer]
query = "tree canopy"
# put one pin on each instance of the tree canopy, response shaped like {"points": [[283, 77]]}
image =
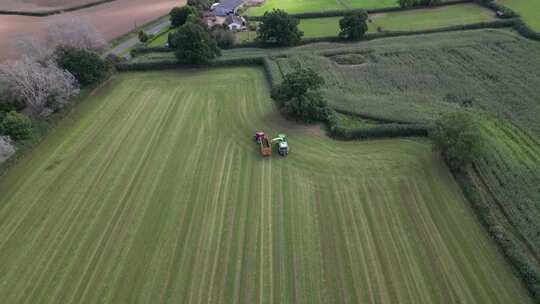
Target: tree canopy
{"points": [[87, 67], [278, 27], [179, 15], [457, 137], [193, 44], [353, 26], [299, 96]]}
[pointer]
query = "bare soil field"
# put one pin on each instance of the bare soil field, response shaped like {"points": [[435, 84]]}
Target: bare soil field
{"points": [[112, 19], [40, 5]]}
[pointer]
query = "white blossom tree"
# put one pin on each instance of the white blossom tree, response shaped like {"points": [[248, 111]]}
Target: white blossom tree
{"points": [[42, 85], [78, 33], [6, 148]]}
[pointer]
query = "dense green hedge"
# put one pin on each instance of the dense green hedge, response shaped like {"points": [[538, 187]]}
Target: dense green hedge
{"points": [[55, 11], [525, 266], [384, 130], [149, 49], [337, 13], [167, 64], [507, 12], [525, 31]]}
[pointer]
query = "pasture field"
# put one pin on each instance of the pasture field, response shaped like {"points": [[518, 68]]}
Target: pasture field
{"points": [[529, 10], [412, 20], [303, 6], [153, 191]]}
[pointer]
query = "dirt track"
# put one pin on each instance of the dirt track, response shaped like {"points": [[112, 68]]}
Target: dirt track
{"points": [[112, 19]]}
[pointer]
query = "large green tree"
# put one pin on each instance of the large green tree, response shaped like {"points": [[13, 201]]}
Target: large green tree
{"points": [[179, 15], [299, 96], [457, 138], [353, 26], [279, 28], [193, 44], [87, 66]]}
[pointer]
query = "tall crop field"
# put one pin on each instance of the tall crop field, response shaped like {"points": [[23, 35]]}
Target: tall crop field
{"points": [[153, 191]]}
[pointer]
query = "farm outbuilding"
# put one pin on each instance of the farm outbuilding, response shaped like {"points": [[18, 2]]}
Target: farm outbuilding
{"points": [[227, 7]]}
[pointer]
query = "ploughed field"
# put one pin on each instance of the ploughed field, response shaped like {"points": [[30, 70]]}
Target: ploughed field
{"points": [[153, 191]]}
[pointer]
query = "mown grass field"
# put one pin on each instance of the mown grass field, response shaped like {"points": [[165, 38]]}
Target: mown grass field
{"points": [[412, 20], [529, 10], [153, 191], [302, 6]]}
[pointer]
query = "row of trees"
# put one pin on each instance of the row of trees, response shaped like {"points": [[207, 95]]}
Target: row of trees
{"points": [[279, 28], [50, 71]]}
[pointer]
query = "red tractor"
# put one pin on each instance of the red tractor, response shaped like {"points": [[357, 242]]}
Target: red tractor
{"points": [[262, 140]]}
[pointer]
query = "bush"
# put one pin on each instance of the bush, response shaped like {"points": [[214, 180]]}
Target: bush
{"points": [[87, 66], [299, 98], [179, 15], [353, 26], [224, 38], [194, 45], [16, 125], [278, 28], [456, 136], [10, 103], [143, 37]]}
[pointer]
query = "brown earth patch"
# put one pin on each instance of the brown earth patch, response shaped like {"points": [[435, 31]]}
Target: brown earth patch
{"points": [[112, 19]]}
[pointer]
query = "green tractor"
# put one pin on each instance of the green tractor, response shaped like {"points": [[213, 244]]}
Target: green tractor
{"points": [[282, 144]]}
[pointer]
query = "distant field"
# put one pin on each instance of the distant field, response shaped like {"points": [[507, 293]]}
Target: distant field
{"points": [[404, 21], [153, 191], [302, 6], [41, 5], [528, 9]]}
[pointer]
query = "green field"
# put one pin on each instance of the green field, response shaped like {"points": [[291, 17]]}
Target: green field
{"points": [[529, 10], [160, 40], [302, 6], [412, 20], [153, 191]]}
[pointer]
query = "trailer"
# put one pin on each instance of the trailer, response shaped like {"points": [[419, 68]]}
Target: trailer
{"points": [[266, 148]]}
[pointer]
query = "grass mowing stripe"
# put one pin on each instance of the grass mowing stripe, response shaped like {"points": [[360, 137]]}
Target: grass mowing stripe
{"points": [[183, 208]]}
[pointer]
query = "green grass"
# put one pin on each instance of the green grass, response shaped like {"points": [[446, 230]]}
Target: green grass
{"points": [[412, 20], [153, 191], [161, 39], [529, 10], [302, 6]]}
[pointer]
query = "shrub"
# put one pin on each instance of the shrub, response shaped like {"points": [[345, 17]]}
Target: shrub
{"points": [[456, 136], [87, 66], [179, 15], [201, 5], [10, 103], [143, 36], [16, 125], [278, 28], [353, 26], [193, 44], [299, 98], [224, 38]]}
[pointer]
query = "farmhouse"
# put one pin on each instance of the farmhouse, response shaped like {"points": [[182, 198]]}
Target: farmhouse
{"points": [[227, 7], [235, 23]]}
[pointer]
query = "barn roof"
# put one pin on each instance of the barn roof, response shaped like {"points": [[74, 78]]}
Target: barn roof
{"points": [[230, 5]]}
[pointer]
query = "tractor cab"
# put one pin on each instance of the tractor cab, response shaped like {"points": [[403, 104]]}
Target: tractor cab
{"points": [[259, 135], [283, 148]]}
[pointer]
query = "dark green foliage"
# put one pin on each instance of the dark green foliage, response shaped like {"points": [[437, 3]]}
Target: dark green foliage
{"points": [[278, 28], [193, 44], [456, 137], [201, 5], [10, 103], [16, 125], [87, 66], [413, 3], [143, 36], [353, 26], [224, 38], [299, 98], [179, 15]]}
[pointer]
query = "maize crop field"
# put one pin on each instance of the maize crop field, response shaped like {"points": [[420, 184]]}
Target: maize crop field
{"points": [[153, 191]]}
